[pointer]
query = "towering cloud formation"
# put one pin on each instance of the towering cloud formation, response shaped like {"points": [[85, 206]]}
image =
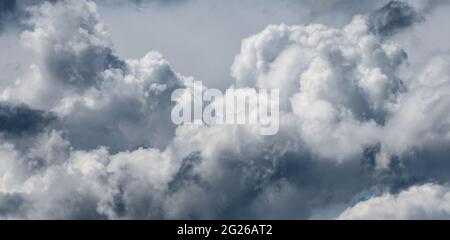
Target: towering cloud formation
{"points": [[101, 99], [71, 54], [95, 139], [341, 84]]}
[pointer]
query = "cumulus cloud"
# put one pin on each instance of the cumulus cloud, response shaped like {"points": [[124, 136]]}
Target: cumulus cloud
{"points": [[429, 201], [361, 133], [334, 80], [72, 53], [100, 98]]}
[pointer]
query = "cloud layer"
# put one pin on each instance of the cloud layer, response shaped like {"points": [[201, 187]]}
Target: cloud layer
{"points": [[364, 127]]}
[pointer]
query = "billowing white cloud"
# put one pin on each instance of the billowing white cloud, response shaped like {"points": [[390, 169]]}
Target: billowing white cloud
{"points": [[341, 83], [98, 141], [429, 201]]}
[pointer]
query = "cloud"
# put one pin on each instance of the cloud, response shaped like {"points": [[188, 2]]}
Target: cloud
{"points": [[130, 109], [429, 201], [213, 43], [77, 58], [393, 17], [22, 120], [334, 80], [358, 126], [101, 100], [7, 6], [13, 205]]}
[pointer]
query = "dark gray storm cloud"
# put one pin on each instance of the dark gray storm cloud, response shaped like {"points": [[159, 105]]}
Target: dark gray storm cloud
{"points": [[12, 205], [357, 127], [393, 17], [7, 6], [81, 69], [19, 119]]}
